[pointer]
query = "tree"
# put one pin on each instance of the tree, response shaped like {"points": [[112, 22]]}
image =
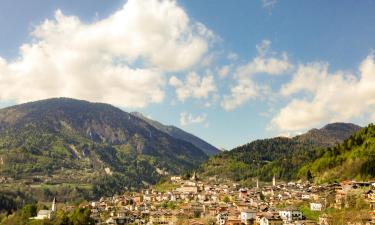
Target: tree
{"points": [[29, 210], [81, 216], [309, 176]]}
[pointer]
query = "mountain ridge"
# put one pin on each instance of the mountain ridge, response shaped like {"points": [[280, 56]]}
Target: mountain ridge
{"points": [[62, 136], [180, 134], [279, 156]]}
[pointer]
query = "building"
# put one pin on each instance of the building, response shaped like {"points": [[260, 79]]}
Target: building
{"points": [[248, 216], [46, 214], [316, 206], [221, 218], [187, 189], [290, 214], [270, 221]]}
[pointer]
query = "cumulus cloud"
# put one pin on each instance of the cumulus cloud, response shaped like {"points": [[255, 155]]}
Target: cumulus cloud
{"points": [[337, 96], [194, 86], [269, 4], [120, 59], [188, 119], [266, 62], [240, 93], [306, 78]]}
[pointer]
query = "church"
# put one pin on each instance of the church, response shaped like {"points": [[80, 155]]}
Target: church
{"points": [[46, 214]]}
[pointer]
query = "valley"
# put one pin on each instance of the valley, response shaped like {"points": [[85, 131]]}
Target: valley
{"points": [[119, 168]]}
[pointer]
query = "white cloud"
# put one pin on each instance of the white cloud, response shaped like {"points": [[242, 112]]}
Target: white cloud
{"points": [[224, 71], [188, 119], [243, 91], [306, 78], [336, 96], [265, 62], [194, 86], [120, 59], [269, 4]]}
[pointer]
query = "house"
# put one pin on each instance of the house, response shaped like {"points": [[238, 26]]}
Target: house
{"points": [[162, 217], [46, 214], [233, 221], [305, 197], [176, 178], [290, 214], [221, 218], [316, 206], [248, 216], [270, 220], [187, 189]]}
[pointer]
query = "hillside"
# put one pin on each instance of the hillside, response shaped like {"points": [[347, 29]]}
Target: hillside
{"points": [[279, 156], [73, 141], [329, 135], [180, 134], [354, 158]]}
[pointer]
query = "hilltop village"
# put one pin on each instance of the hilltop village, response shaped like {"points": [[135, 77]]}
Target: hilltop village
{"points": [[192, 201]]}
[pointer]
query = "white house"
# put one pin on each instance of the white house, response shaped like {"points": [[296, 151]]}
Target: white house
{"points": [[315, 206], [247, 216], [305, 196], [290, 214]]}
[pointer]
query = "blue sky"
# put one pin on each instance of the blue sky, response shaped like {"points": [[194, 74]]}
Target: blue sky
{"points": [[229, 72]]}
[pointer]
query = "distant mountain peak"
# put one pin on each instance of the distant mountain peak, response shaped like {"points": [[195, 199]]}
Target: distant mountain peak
{"points": [[330, 134], [340, 125]]}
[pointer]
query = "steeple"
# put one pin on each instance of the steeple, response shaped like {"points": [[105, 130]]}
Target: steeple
{"points": [[194, 177], [53, 209]]}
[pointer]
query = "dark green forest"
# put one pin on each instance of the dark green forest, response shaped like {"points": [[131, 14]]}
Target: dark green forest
{"points": [[303, 157]]}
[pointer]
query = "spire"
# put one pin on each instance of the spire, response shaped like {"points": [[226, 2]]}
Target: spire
{"points": [[53, 209], [194, 177]]}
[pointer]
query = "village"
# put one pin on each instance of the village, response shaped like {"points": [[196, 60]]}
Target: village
{"points": [[196, 202]]}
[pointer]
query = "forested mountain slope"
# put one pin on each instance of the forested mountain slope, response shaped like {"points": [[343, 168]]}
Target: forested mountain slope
{"points": [[354, 158], [67, 140], [281, 157]]}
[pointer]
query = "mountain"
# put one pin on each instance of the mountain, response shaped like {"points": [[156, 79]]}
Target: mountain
{"points": [[180, 134], [279, 156], [353, 158], [73, 141], [329, 135]]}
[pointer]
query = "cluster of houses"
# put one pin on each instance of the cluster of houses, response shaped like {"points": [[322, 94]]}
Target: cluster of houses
{"points": [[196, 202]]}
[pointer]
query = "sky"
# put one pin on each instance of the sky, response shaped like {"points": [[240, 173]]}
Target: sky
{"points": [[227, 71]]}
